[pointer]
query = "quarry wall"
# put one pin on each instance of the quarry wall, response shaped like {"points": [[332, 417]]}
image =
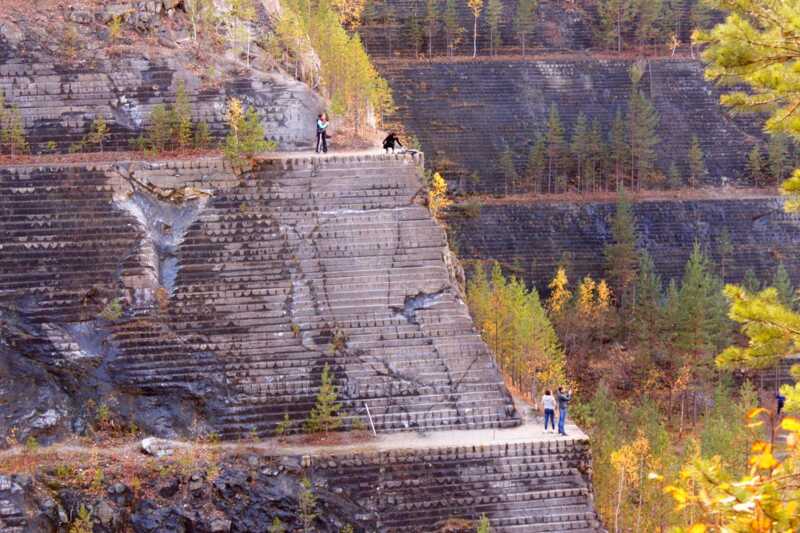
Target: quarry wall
{"points": [[59, 99], [465, 113], [538, 236]]}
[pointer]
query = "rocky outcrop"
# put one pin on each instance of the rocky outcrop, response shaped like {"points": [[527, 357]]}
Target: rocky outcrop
{"points": [[60, 92], [537, 237], [526, 486]]}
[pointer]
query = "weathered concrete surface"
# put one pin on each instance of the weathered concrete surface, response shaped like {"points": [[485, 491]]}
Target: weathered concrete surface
{"points": [[224, 304], [539, 235], [465, 113]]}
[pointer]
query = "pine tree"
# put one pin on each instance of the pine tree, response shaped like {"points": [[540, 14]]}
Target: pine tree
{"points": [[614, 16], [202, 135], [783, 285], [647, 305], [674, 176], [276, 526], [555, 146], [200, 13], [560, 294], [508, 170], [581, 146], [183, 117], [494, 15], [525, 21], [452, 27], [697, 166], [325, 414], [618, 146], [98, 132], [307, 505], [777, 157], [159, 132], [536, 169], [750, 282], [622, 256], [479, 295], [725, 250], [483, 525], [755, 166], [431, 22], [648, 14], [597, 155], [642, 130], [245, 136], [416, 33]]}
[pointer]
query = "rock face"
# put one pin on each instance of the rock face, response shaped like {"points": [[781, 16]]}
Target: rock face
{"points": [[530, 487], [225, 302], [538, 236], [466, 113], [59, 100]]}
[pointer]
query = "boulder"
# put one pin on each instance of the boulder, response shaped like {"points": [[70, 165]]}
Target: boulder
{"points": [[157, 447]]}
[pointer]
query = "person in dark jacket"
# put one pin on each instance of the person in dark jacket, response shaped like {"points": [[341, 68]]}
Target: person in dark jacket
{"points": [[322, 133], [780, 401], [563, 402], [391, 142]]}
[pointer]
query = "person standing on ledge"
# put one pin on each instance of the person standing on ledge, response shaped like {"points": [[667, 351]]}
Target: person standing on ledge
{"points": [[322, 133], [549, 406], [563, 401], [391, 142]]}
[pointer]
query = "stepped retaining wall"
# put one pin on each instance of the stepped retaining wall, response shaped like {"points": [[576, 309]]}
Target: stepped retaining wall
{"points": [[226, 300], [466, 113], [537, 236]]}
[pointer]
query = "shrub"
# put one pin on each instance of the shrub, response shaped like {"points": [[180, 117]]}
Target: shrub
{"points": [[82, 523], [283, 427], [98, 133], [112, 311], [325, 414], [245, 136], [159, 132], [202, 135]]}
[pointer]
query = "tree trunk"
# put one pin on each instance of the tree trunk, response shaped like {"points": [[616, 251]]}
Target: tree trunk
{"points": [[430, 42], [475, 38]]}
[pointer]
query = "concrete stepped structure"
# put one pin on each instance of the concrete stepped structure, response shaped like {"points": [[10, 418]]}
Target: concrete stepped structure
{"points": [[538, 236], [191, 292], [252, 286], [466, 113]]}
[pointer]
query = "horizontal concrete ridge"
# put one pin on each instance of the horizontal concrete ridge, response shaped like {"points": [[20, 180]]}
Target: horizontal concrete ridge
{"points": [[187, 281], [466, 113], [538, 236]]}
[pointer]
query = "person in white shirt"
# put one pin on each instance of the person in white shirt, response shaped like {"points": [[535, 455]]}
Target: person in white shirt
{"points": [[549, 406]]}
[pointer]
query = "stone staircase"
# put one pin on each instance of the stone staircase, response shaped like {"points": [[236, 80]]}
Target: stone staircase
{"points": [[465, 113], [537, 486]]}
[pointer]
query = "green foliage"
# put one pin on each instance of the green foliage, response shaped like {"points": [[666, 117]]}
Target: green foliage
{"points": [[483, 525], [415, 31], [581, 146], [307, 503], [432, 16], [783, 285], [284, 426], [277, 526], [202, 135], [622, 255], [556, 146], [719, 437], [516, 327], [742, 50], [674, 176], [751, 282], [325, 414], [182, 117], [112, 311], [643, 122], [349, 79], [494, 15], [536, 169], [614, 16], [159, 131], [201, 15], [83, 522], [508, 170], [98, 132], [778, 157], [647, 305], [12, 129], [697, 166], [755, 166], [452, 25], [245, 136], [524, 22], [31, 444]]}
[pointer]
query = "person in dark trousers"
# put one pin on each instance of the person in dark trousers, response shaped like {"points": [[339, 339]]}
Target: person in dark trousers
{"points": [[780, 401], [391, 142], [549, 406], [563, 402], [322, 133]]}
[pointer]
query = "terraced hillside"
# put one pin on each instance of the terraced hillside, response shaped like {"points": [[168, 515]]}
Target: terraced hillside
{"points": [[538, 236], [227, 303], [465, 113]]}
